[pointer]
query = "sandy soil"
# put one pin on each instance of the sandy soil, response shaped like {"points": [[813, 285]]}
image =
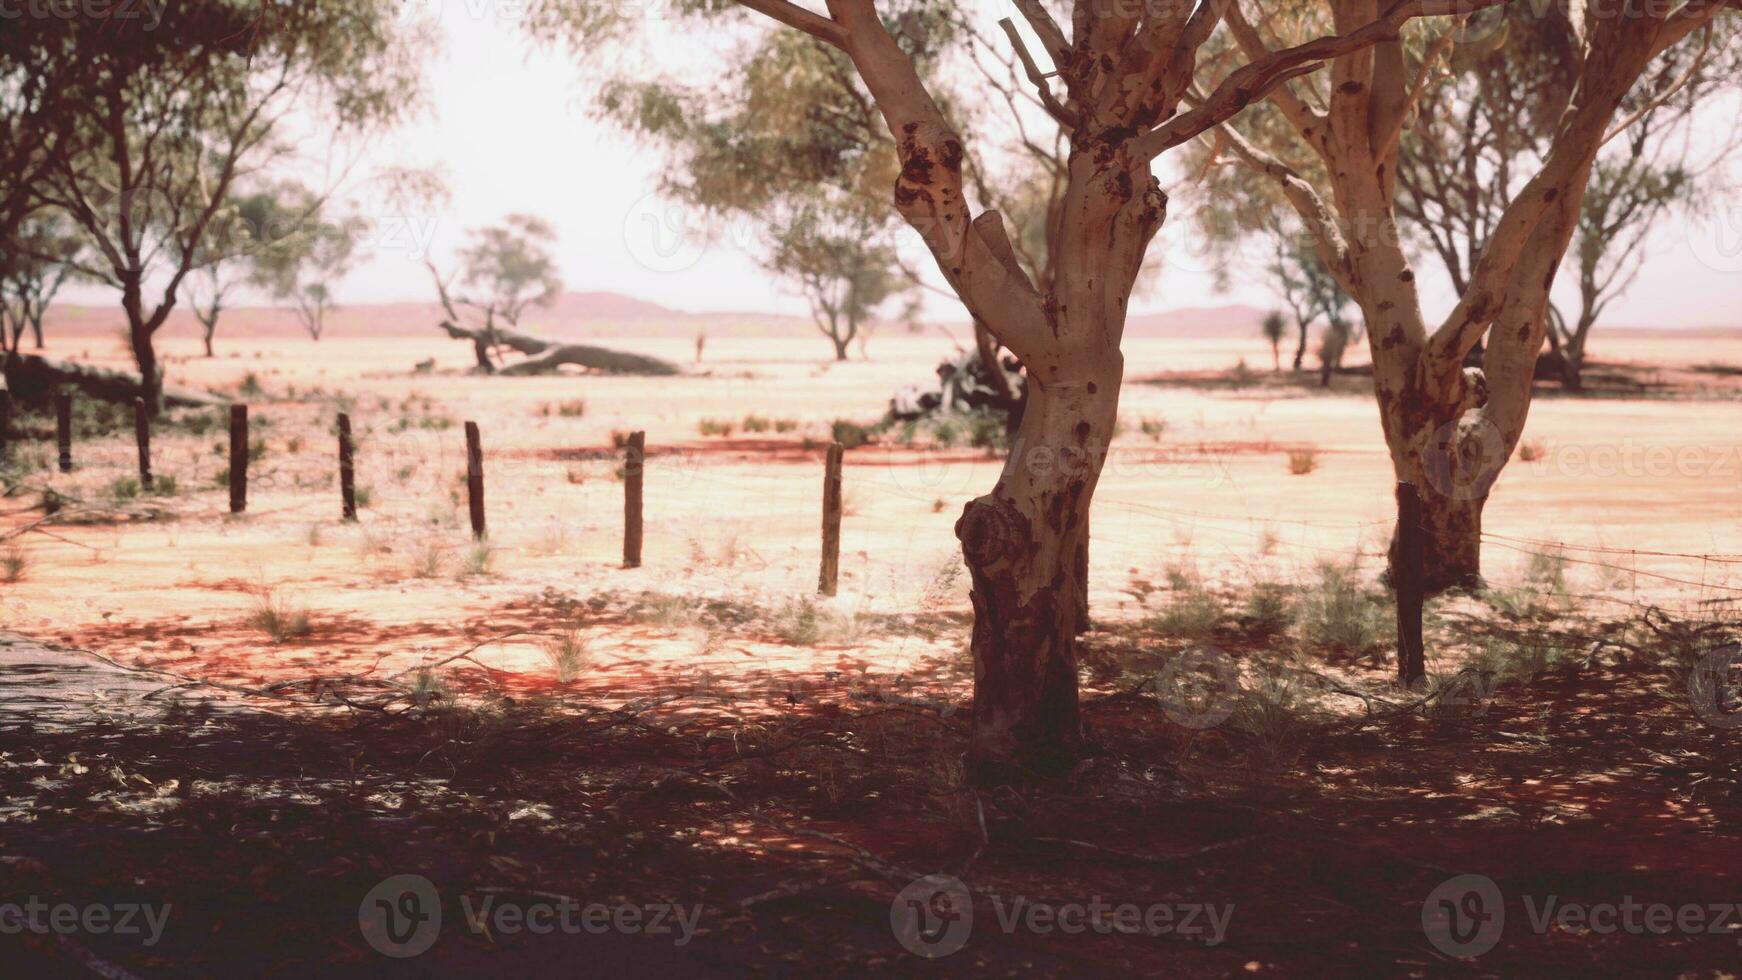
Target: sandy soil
{"points": [[704, 747], [738, 516]]}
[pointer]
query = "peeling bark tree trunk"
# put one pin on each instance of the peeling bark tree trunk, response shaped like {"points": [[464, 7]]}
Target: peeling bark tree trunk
{"points": [[1454, 465], [1024, 544]]}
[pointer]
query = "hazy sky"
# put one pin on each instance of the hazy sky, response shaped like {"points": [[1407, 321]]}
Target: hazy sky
{"points": [[510, 127]]}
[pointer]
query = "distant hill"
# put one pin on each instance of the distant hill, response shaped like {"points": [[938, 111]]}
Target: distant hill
{"points": [[572, 316], [1206, 323], [604, 315]]}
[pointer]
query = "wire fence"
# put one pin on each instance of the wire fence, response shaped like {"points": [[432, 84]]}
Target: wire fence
{"points": [[717, 496]]}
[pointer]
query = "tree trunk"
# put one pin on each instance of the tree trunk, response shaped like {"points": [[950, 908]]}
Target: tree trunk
{"points": [[840, 346], [150, 374], [36, 332], [1573, 355], [1451, 541], [1025, 544], [1300, 350], [1454, 465], [140, 333]]}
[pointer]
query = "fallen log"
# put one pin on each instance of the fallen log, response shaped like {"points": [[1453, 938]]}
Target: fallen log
{"points": [[34, 378], [592, 358], [545, 356]]}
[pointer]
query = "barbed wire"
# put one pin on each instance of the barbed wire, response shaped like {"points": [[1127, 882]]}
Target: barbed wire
{"points": [[781, 491]]}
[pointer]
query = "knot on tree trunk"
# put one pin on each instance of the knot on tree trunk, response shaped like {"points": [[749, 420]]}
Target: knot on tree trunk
{"points": [[991, 528]]}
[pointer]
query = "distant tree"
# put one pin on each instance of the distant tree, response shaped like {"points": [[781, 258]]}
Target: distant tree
{"points": [[845, 272], [502, 272], [1487, 126], [303, 266], [247, 236], [170, 118], [509, 268], [1275, 329], [35, 263], [799, 154]]}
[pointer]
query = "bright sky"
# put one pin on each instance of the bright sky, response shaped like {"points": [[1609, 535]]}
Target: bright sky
{"points": [[510, 127]]}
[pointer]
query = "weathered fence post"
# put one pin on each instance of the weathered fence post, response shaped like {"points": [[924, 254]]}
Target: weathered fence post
{"points": [[634, 467], [238, 458], [1408, 577], [63, 429], [5, 423], [142, 436], [347, 469], [829, 579], [475, 479]]}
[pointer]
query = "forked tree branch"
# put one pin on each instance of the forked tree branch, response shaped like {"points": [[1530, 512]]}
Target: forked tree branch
{"points": [[1049, 101], [1259, 78], [793, 15]]}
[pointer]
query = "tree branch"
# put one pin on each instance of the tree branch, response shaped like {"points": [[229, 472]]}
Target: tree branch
{"points": [[793, 15], [1259, 78]]}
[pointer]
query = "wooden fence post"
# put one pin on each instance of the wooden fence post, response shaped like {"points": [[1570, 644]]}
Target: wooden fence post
{"points": [[5, 423], [830, 577], [1408, 578], [142, 436], [347, 469], [634, 467], [475, 479], [238, 458], [63, 429]]}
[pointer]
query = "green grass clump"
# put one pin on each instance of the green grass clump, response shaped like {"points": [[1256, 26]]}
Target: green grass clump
{"points": [[1191, 614], [278, 619], [1338, 614]]}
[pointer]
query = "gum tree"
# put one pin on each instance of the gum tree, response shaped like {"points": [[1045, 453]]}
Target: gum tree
{"points": [[1483, 130], [1449, 430], [1119, 78], [168, 119]]}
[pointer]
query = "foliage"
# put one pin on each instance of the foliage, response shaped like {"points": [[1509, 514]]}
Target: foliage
{"points": [[303, 265], [172, 116], [508, 267]]}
